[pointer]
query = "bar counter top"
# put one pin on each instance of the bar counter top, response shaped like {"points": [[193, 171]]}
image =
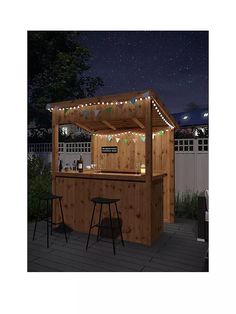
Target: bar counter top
{"points": [[103, 175]]}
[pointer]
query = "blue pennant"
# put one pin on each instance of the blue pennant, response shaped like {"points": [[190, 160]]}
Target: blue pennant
{"points": [[132, 101], [85, 114]]}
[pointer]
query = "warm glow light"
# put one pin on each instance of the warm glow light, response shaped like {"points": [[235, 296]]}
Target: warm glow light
{"points": [[142, 169]]}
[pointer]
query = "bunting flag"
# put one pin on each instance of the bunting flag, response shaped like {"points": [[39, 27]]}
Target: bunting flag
{"points": [[121, 105], [134, 140], [109, 137], [117, 139], [146, 94], [85, 114], [96, 112], [132, 101], [66, 110], [126, 141], [48, 107], [161, 133], [109, 109], [142, 137]]}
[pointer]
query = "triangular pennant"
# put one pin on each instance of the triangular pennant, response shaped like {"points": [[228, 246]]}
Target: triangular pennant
{"points": [[134, 140], [121, 105], [132, 101], [117, 139], [109, 137], [66, 110], [126, 141], [85, 114], [109, 109], [142, 137], [48, 106], [161, 133], [146, 94], [96, 112]]}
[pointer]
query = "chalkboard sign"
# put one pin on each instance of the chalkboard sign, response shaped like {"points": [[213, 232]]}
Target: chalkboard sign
{"points": [[109, 149]]}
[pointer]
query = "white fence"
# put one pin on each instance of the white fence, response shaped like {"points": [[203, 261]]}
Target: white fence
{"points": [[68, 152], [191, 160], [191, 165]]}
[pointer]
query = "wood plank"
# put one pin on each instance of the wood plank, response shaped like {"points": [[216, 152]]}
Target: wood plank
{"points": [[148, 164], [85, 127], [109, 125], [138, 123]]}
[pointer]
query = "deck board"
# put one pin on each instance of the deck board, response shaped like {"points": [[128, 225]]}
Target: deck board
{"points": [[175, 251]]}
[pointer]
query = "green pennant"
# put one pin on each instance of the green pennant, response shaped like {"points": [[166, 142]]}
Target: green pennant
{"points": [[143, 137], [161, 133], [65, 110], [109, 109], [126, 141]]}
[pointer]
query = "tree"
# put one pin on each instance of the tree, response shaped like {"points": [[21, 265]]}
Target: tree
{"points": [[56, 71]]}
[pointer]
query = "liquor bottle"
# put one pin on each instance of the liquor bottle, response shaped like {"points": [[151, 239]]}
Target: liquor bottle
{"points": [[60, 166], [80, 164]]}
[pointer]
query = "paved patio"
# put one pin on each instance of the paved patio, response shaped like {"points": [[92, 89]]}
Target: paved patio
{"points": [[175, 251]]}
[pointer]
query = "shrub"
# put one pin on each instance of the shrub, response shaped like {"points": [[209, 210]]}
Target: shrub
{"points": [[39, 181], [186, 205]]}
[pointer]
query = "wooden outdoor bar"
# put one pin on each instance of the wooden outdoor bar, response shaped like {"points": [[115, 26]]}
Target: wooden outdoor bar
{"points": [[127, 130]]}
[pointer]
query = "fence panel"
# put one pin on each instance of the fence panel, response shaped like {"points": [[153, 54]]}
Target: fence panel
{"points": [[191, 160], [191, 165], [68, 152]]}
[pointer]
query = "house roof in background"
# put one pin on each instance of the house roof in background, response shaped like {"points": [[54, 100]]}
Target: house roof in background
{"points": [[192, 118]]}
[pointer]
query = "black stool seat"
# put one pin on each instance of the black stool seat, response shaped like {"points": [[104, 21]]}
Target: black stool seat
{"points": [[102, 200], [49, 197], [46, 214]]}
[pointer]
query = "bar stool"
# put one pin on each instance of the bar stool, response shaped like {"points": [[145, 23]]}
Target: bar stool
{"points": [[101, 201], [48, 197]]}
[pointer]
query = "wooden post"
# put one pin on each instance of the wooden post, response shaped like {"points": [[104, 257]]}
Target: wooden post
{"points": [[172, 175], [148, 164], [55, 138]]}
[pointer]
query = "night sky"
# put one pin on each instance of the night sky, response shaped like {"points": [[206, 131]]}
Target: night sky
{"points": [[174, 64]]}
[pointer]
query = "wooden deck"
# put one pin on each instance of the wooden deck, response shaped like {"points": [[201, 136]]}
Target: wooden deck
{"points": [[175, 251]]}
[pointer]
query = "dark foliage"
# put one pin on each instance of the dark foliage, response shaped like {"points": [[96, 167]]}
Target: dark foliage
{"points": [[191, 132], [39, 181], [186, 205], [56, 71]]}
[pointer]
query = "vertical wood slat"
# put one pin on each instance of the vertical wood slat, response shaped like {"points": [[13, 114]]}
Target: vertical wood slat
{"points": [[148, 161]]}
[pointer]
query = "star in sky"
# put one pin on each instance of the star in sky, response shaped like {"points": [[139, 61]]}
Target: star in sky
{"points": [[175, 64]]}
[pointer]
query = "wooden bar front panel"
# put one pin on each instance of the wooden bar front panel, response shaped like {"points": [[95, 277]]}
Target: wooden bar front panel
{"points": [[135, 216]]}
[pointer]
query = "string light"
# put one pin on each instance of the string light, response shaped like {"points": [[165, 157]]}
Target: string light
{"points": [[161, 132], [121, 102], [107, 103], [160, 114]]}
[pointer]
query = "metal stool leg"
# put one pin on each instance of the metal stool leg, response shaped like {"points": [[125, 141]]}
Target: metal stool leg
{"points": [[119, 225], [47, 226], [112, 234], [91, 223], [51, 203], [62, 217], [99, 223], [36, 221]]}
